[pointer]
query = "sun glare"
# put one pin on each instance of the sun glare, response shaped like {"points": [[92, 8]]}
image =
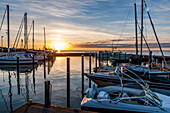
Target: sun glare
{"points": [[60, 46]]}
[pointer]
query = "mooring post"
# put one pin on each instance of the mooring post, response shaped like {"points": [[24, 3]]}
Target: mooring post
{"points": [[125, 56], [33, 59], [18, 82], [96, 63], [89, 70], [68, 82], [44, 68], [107, 58], [82, 72], [48, 88], [33, 71], [99, 60], [150, 59], [102, 57]]}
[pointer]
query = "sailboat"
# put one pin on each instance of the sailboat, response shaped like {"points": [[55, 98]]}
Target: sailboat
{"points": [[149, 70], [23, 59]]}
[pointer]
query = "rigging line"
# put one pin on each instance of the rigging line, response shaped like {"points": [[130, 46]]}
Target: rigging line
{"points": [[125, 21], [29, 32], [19, 30], [144, 39], [19, 37], [3, 19], [153, 28], [146, 43], [122, 20]]}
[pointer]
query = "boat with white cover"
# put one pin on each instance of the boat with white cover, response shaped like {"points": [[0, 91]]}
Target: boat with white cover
{"points": [[121, 98], [23, 59]]}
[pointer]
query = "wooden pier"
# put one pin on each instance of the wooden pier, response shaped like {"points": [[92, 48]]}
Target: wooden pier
{"points": [[73, 54], [34, 107]]}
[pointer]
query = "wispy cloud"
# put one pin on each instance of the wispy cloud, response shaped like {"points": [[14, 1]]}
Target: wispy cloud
{"points": [[84, 21]]}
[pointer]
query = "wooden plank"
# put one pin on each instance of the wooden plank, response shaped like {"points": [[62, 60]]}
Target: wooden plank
{"points": [[34, 107]]}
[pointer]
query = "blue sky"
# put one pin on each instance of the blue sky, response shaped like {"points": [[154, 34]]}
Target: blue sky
{"points": [[87, 21]]}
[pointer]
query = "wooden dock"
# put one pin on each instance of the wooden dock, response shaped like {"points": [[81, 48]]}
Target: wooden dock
{"points": [[73, 54], [34, 107]]}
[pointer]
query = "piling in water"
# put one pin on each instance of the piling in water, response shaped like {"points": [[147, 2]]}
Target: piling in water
{"points": [[47, 93], [44, 68], [107, 58], [99, 60], [89, 70], [82, 72], [68, 82], [96, 64], [18, 81]]}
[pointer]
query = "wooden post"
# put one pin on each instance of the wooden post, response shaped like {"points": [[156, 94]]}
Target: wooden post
{"points": [[33, 59], [68, 82], [44, 68], [102, 57], [89, 70], [82, 69], [99, 60], [33, 72], [150, 59], [107, 58], [18, 81], [96, 63], [47, 93], [125, 56]]}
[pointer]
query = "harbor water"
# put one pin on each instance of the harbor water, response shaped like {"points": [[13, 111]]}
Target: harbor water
{"points": [[31, 86]]}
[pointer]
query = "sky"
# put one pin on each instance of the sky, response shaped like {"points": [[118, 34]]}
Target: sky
{"points": [[87, 24]]}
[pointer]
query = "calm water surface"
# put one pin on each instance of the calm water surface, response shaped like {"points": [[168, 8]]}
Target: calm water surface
{"points": [[31, 88]]}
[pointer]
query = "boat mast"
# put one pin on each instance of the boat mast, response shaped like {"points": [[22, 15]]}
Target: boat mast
{"points": [[136, 31], [44, 40], [141, 31], [156, 35], [33, 34], [25, 32], [8, 28]]}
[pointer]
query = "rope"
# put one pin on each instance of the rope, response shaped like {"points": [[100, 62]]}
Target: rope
{"points": [[125, 22], [3, 19]]}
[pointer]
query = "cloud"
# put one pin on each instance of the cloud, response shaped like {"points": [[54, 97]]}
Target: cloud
{"points": [[92, 21]]}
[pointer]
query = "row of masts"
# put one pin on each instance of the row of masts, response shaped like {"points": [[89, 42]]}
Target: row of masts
{"points": [[19, 32]]}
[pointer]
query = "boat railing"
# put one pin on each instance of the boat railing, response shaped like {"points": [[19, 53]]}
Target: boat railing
{"points": [[134, 74], [151, 94]]}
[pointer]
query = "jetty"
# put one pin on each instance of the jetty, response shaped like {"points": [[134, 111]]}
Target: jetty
{"points": [[35, 107]]}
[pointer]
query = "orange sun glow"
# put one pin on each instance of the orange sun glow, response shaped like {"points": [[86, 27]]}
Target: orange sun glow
{"points": [[60, 46]]}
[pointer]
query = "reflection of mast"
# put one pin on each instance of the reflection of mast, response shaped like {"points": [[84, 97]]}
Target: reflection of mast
{"points": [[10, 92], [34, 78], [50, 64], [27, 86], [3, 77]]}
